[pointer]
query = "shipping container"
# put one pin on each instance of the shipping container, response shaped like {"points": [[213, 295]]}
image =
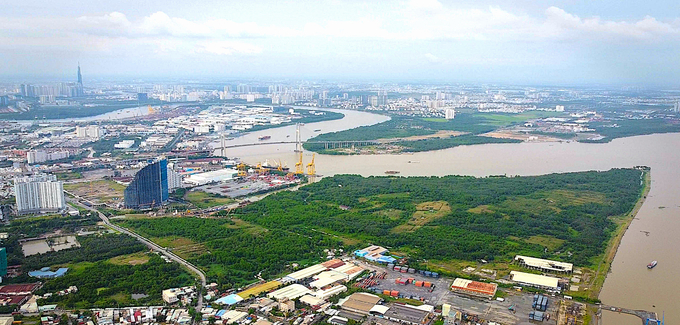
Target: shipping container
{"points": [[386, 292], [394, 293], [428, 273], [390, 266], [435, 274], [411, 270], [419, 283], [427, 284], [410, 280], [404, 270]]}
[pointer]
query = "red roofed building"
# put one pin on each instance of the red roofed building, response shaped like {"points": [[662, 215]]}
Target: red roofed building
{"points": [[19, 289]]}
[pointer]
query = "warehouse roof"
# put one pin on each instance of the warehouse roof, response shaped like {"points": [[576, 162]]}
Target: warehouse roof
{"points": [[534, 279], [229, 300], [291, 292], [545, 264], [361, 302], [326, 278], [478, 287], [379, 309], [213, 176], [307, 272], [407, 313], [311, 300]]}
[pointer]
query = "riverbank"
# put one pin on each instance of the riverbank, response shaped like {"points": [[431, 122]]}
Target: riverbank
{"points": [[613, 245]]}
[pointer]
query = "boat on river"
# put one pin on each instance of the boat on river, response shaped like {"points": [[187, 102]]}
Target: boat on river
{"points": [[651, 265]]}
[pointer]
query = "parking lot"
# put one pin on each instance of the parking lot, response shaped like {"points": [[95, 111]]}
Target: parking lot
{"points": [[490, 310]]}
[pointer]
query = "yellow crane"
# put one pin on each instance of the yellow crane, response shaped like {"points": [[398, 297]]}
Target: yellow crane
{"points": [[299, 168], [280, 166], [261, 169], [241, 167], [311, 168]]}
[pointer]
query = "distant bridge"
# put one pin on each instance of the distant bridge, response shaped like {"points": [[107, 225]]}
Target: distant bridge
{"points": [[327, 144]]}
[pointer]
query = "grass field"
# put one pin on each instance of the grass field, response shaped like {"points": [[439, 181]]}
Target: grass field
{"points": [[184, 247], [130, 259], [204, 200], [426, 212]]}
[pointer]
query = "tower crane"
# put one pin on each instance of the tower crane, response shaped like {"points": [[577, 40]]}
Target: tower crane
{"points": [[311, 168]]}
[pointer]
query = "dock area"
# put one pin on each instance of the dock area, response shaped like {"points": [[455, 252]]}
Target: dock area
{"points": [[642, 314]]}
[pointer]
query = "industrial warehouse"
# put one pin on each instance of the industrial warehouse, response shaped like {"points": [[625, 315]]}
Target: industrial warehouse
{"points": [[544, 265], [535, 280], [474, 288]]}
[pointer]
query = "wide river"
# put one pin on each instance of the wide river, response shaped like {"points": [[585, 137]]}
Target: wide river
{"points": [[652, 235]]}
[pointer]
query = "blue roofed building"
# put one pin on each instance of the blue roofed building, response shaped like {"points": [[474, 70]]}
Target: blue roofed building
{"points": [[46, 273], [376, 254]]}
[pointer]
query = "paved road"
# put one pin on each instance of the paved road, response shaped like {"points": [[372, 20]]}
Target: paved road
{"points": [[154, 247]]}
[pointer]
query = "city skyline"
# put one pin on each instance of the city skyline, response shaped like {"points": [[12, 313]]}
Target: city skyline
{"points": [[557, 42]]}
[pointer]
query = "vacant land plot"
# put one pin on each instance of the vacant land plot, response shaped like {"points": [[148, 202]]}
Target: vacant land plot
{"points": [[130, 259], [184, 247], [426, 212], [101, 191], [204, 200]]}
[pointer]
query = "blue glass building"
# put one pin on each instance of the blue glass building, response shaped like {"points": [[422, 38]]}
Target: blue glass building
{"points": [[149, 188]]}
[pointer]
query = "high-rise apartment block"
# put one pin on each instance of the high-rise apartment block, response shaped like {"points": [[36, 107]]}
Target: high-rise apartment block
{"points": [[39, 194], [149, 188]]}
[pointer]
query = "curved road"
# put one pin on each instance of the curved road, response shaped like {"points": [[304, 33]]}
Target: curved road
{"points": [[154, 247]]}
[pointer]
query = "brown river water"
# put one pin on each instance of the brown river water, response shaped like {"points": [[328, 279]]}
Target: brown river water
{"points": [[653, 234]]}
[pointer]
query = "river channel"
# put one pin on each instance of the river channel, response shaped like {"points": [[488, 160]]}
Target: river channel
{"points": [[653, 234]]}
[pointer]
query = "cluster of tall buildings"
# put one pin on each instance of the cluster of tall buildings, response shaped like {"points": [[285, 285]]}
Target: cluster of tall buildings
{"points": [[48, 93], [90, 131], [151, 186], [39, 193]]}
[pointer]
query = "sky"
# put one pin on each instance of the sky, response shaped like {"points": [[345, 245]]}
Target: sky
{"points": [[566, 42]]}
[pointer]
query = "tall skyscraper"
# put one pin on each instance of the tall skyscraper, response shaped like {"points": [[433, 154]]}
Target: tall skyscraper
{"points": [[80, 76], [149, 188], [39, 193]]}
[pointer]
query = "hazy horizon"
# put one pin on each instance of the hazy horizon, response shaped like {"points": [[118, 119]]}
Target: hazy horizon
{"points": [[513, 42]]}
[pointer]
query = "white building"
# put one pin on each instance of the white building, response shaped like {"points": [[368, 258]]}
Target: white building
{"points": [[174, 180], [125, 144], [535, 280], [213, 176], [90, 131], [39, 193], [39, 155], [450, 113]]}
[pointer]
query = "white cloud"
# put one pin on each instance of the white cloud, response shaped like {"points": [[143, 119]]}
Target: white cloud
{"points": [[560, 23], [432, 58]]}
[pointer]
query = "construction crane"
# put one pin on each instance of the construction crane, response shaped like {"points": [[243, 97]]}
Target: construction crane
{"points": [[241, 167], [280, 165], [261, 169], [299, 168], [311, 168], [151, 110]]}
